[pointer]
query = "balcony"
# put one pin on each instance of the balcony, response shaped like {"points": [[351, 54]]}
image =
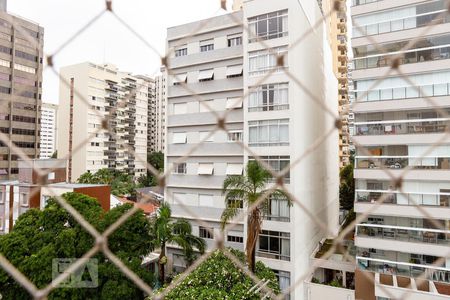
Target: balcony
{"points": [[437, 274], [437, 17], [398, 198], [400, 162], [361, 2], [419, 126]]}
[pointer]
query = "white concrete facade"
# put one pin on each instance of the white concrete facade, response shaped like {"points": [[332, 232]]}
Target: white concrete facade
{"points": [[215, 74], [48, 130]]}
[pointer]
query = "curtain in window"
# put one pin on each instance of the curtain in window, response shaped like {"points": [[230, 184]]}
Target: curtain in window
{"points": [[284, 208], [284, 133], [285, 247]]}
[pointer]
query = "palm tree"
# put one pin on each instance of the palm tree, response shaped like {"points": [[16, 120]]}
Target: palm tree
{"points": [[249, 188], [165, 231]]}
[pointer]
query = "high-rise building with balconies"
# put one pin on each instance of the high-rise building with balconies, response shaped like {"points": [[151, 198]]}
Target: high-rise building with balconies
{"points": [[402, 122], [211, 65], [21, 53], [48, 130]]}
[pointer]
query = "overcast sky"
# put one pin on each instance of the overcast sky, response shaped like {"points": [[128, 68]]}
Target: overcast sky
{"points": [[107, 40]]}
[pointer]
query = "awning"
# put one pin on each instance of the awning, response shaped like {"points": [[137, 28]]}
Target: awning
{"points": [[205, 169], [179, 138], [234, 70], [180, 78], [234, 169], [234, 103], [206, 75]]}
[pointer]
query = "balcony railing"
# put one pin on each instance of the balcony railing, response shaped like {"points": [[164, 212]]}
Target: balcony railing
{"points": [[400, 93], [418, 126], [406, 57], [403, 269], [400, 162], [437, 17], [398, 198], [405, 234], [361, 2]]}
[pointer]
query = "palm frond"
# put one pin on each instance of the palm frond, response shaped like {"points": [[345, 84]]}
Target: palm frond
{"points": [[182, 227], [228, 214]]}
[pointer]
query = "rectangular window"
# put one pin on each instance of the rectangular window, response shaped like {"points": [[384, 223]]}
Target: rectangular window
{"points": [[181, 52], [179, 79], [179, 138], [235, 203], [235, 239], [2, 200], [206, 75], [180, 168], [269, 133], [269, 97], [206, 136], [284, 280], [207, 45], [235, 136], [268, 26], [5, 63], [279, 209], [263, 61], [206, 200], [206, 233], [25, 68], [277, 164], [24, 199], [179, 108], [234, 71], [234, 41], [234, 103], [274, 244], [234, 169], [205, 169]]}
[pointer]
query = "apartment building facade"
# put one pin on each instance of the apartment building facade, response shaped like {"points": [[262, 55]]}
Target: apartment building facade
{"points": [[208, 74], [48, 130], [89, 94], [157, 138], [400, 124], [21, 54]]}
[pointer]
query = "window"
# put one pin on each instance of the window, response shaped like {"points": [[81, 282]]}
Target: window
{"points": [[180, 79], [277, 164], [235, 136], [279, 209], [206, 136], [284, 280], [234, 169], [235, 203], [179, 138], [206, 106], [180, 168], [234, 71], [268, 26], [234, 103], [235, 239], [25, 68], [27, 56], [5, 90], [269, 133], [5, 63], [206, 200], [205, 169], [263, 61], [234, 41], [2, 200], [51, 176], [24, 199], [274, 244], [181, 52], [206, 75], [206, 233], [179, 108], [207, 45], [269, 97]]}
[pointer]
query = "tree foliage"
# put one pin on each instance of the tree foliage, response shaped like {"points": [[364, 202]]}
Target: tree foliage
{"points": [[219, 278], [121, 183], [156, 160], [249, 188], [165, 230], [39, 236], [347, 188]]}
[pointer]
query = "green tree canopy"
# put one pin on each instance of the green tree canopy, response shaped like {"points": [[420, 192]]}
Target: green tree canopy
{"points": [[347, 188], [156, 160], [39, 236], [219, 278], [121, 183]]}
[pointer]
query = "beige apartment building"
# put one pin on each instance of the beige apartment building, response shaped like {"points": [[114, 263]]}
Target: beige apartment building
{"points": [[94, 92], [404, 249], [20, 89], [48, 130], [158, 113]]}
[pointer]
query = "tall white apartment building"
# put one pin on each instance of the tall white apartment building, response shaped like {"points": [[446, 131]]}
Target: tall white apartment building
{"points": [[108, 92], [396, 126], [48, 130], [217, 65], [158, 113]]}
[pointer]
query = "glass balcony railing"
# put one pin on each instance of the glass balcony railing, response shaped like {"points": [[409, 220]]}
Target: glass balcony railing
{"points": [[400, 93], [438, 17], [407, 57], [398, 198], [405, 234], [400, 162], [402, 127], [382, 266]]}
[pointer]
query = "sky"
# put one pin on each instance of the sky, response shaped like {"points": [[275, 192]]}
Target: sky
{"points": [[108, 41]]}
